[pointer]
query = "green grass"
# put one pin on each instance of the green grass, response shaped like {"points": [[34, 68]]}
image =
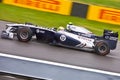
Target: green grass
{"points": [[21, 15], [107, 3]]}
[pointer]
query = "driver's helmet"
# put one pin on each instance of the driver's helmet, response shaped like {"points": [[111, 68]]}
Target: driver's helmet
{"points": [[61, 28], [69, 25]]}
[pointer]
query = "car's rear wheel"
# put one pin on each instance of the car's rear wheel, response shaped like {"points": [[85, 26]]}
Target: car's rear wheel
{"points": [[24, 34], [102, 48]]}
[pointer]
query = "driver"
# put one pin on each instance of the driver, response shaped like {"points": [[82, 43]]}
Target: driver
{"points": [[69, 25], [61, 28]]}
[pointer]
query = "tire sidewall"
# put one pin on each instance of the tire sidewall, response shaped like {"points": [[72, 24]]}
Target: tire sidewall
{"points": [[24, 30], [101, 44]]}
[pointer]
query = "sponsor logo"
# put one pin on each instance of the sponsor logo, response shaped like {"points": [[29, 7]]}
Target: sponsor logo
{"points": [[62, 37], [107, 37], [109, 15], [40, 31], [52, 5], [85, 39], [111, 38]]}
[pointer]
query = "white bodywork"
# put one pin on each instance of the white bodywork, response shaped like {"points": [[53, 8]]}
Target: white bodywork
{"points": [[84, 41], [10, 34], [87, 42], [78, 29]]}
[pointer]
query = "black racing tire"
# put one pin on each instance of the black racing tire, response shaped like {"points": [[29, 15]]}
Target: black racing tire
{"points": [[102, 48], [24, 34]]}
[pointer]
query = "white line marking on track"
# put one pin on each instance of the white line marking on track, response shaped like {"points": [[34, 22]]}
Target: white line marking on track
{"points": [[60, 64]]}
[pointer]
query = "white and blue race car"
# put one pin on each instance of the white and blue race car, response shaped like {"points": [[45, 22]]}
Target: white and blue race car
{"points": [[73, 37]]}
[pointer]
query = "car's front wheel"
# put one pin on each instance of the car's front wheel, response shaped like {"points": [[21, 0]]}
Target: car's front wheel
{"points": [[102, 48], [24, 34]]}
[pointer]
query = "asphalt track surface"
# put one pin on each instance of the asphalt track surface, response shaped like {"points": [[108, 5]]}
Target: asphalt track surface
{"points": [[39, 50]]}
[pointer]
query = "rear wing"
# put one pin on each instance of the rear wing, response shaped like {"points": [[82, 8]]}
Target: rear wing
{"points": [[111, 37]]}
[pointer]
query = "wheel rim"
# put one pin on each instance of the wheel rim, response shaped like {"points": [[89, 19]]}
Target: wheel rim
{"points": [[102, 49], [24, 35]]}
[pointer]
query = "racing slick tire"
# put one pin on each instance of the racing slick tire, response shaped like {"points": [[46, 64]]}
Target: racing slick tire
{"points": [[24, 34], [102, 48]]}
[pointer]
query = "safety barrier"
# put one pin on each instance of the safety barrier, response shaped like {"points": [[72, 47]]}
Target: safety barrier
{"points": [[55, 6], [66, 7], [104, 14]]}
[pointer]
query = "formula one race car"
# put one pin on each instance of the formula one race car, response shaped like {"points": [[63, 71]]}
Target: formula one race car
{"points": [[73, 37]]}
